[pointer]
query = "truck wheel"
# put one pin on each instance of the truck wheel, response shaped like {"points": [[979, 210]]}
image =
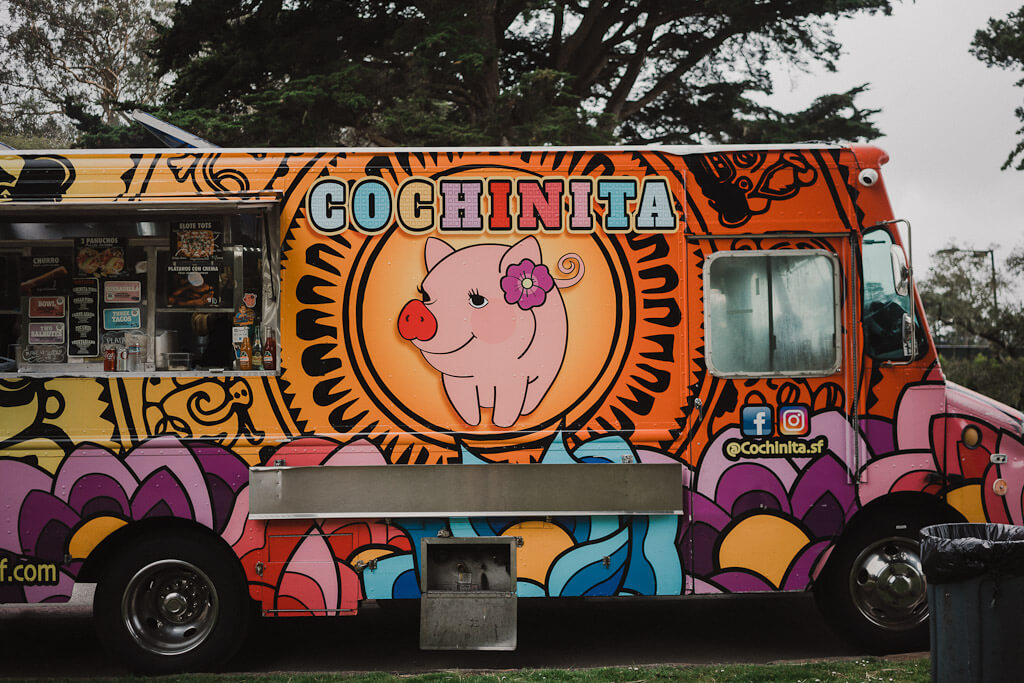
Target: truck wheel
{"points": [[873, 589], [172, 604]]}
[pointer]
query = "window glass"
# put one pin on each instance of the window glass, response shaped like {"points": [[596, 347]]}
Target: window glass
{"points": [[160, 291], [772, 313], [883, 307]]}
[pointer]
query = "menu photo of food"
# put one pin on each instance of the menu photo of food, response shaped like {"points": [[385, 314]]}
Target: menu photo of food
{"points": [[198, 240], [45, 271], [193, 290], [100, 256], [197, 260]]}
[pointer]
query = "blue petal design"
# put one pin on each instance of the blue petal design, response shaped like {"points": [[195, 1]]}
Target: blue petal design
{"points": [[461, 527], [640, 577], [660, 550], [385, 581], [488, 526], [585, 556], [557, 454], [406, 586], [594, 579], [470, 458], [602, 525], [606, 449], [528, 589], [417, 529], [577, 527]]}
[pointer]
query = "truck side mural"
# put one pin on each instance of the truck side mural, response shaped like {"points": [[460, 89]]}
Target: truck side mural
{"points": [[729, 315]]}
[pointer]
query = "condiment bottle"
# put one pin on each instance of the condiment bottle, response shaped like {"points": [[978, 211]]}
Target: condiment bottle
{"points": [[257, 348], [245, 354], [270, 352]]}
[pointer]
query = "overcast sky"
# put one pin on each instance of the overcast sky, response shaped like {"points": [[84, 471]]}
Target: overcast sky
{"points": [[947, 118]]}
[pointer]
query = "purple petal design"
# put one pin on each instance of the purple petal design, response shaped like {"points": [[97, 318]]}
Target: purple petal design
{"points": [[534, 296], [99, 494], [542, 278], [701, 587], [168, 453], [745, 477], [513, 290], [44, 525], [88, 460], [825, 517], [799, 575], [699, 543], [520, 270], [222, 464], [59, 593], [741, 582], [535, 293], [815, 482], [878, 435], [20, 479], [161, 495]]}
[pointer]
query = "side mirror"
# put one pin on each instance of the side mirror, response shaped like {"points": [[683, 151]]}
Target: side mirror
{"points": [[900, 271]]}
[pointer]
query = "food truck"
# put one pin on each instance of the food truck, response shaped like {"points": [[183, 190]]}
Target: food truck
{"points": [[292, 381]]}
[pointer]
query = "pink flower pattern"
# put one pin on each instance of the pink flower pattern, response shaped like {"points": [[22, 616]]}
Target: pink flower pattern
{"points": [[527, 284]]}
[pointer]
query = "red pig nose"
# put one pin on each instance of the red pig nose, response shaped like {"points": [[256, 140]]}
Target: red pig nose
{"points": [[416, 322]]}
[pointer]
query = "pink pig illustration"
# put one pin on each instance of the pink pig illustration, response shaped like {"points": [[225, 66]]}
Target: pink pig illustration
{"points": [[493, 323]]}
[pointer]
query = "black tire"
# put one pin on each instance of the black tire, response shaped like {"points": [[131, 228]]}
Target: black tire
{"points": [[171, 604], [873, 588]]}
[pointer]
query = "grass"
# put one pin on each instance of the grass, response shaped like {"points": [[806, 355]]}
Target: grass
{"points": [[831, 671]]}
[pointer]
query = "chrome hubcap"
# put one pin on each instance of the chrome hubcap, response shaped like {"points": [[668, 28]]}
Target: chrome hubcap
{"points": [[169, 607], [888, 586]]}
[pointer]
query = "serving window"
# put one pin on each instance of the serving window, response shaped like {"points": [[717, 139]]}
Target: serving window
{"points": [[166, 289], [772, 313]]}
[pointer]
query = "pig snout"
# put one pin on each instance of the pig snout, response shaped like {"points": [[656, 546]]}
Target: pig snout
{"points": [[416, 322]]}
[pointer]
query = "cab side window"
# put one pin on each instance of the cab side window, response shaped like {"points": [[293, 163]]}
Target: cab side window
{"points": [[884, 306], [772, 313]]}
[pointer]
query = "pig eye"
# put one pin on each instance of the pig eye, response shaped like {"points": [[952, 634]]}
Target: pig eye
{"points": [[476, 300]]}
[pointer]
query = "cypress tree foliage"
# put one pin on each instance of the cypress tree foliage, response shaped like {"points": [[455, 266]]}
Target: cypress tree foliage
{"points": [[496, 72], [1001, 44]]}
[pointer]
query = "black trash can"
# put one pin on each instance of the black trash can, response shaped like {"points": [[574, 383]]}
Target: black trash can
{"points": [[975, 575]]}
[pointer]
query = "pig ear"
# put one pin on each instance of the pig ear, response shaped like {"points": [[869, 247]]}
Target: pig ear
{"points": [[435, 251], [526, 248]]}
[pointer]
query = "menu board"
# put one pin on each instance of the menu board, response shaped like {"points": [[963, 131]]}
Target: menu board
{"points": [[100, 257], [83, 337], [48, 333], [46, 307], [45, 272], [122, 292], [196, 264], [45, 277], [122, 319]]}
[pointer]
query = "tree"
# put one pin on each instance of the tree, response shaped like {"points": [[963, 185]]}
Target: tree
{"points": [[977, 320], [487, 72], [65, 60], [1001, 44]]}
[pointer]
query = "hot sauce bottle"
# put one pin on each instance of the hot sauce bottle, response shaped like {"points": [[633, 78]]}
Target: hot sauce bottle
{"points": [[269, 352]]}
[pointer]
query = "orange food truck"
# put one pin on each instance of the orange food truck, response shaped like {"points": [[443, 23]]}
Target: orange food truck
{"points": [[292, 381]]}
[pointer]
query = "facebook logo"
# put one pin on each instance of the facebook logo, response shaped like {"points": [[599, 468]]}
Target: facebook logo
{"points": [[756, 420]]}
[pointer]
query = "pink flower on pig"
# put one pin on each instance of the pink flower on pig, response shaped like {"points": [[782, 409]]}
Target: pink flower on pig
{"points": [[527, 284]]}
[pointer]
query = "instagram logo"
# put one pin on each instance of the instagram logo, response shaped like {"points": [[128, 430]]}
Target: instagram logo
{"points": [[793, 421]]}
